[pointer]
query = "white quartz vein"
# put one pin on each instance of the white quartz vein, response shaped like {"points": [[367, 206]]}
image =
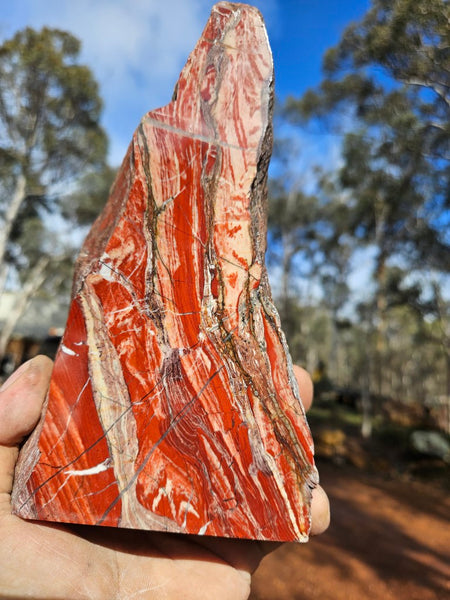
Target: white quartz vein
{"points": [[103, 466], [195, 136]]}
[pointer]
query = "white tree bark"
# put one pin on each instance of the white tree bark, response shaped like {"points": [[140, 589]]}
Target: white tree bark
{"points": [[35, 279], [12, 211]]}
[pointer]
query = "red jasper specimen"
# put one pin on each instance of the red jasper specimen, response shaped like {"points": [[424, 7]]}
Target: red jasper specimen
{"points": [[173, 405]]}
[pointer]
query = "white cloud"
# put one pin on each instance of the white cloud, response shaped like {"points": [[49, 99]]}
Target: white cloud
{"points": [[135, 49]]}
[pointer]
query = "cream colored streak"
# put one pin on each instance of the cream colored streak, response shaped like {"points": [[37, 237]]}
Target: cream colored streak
{"points": [[112, 402], [114, 410], [257, 445], [177, 131]]}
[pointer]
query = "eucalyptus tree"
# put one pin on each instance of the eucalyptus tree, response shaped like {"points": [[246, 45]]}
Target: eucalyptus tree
{"points": [[386, 92], [50, 135], [386, 86]]}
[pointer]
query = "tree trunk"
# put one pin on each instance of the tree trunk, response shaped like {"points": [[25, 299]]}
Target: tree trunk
{"points": [[443, 314], [381, 209], [286, 271], [366, 425], [33, 282], [3, 278], [10, 216], [334, 350], [366, 401]]}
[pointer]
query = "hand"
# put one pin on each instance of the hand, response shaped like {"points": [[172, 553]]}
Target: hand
{"points": [[46, 560]]}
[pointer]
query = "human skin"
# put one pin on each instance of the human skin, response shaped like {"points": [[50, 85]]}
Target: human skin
{"points": [[59, 562]]}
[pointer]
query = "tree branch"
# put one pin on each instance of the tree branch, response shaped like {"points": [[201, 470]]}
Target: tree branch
{"points": [[12, 211], [35, 279], [426, 84]]}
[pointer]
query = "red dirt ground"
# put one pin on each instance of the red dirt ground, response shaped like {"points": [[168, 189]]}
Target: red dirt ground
{"points": [[388, 540]]}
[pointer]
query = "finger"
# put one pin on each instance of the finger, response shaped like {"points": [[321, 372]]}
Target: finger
{"points": [[320, 505], [246, 555], [21, 399], [305, 386], [320, 511]]}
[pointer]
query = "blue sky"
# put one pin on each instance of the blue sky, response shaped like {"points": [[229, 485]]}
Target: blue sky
{"points": [[136, 48]]}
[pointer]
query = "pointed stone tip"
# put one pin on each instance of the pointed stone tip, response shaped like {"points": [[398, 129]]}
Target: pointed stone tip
{"points": [[234, 7]]}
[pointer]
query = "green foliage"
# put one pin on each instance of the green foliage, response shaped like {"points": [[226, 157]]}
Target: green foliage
{"points": [[84, 204], [295, 222], [49, 108], [50, 137], [386, 91], [49, 130], [387, 87]]}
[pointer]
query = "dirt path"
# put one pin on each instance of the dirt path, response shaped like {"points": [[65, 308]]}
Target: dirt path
{"points": [[388, 540]]}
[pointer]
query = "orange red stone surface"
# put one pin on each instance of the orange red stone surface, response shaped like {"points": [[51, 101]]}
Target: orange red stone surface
{"points": [[173, 405]]}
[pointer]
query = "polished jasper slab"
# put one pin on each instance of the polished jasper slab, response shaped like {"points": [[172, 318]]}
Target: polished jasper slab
{"points": [[173, 404]]}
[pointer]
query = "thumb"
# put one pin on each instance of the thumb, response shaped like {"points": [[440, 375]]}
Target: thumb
{"points": [[21, 400]]}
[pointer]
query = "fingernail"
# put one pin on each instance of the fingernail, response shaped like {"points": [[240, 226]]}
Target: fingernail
{"points": [[16, 375]]}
